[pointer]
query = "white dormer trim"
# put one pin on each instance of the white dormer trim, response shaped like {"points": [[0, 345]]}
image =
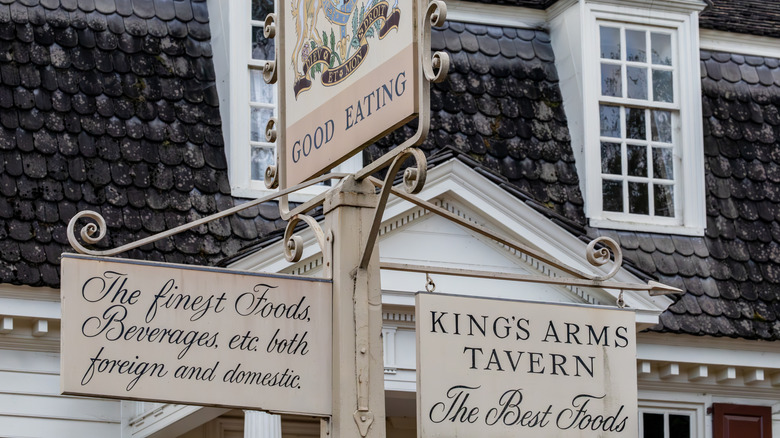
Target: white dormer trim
{"points": [[730, 42], [575, 39], [496, 15]]}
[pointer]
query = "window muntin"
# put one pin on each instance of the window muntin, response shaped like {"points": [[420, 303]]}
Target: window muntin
{"points": [[638, 113], [262, 96]]}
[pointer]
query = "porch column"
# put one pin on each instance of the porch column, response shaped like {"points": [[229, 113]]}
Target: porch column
{"points": [[262, 425]]}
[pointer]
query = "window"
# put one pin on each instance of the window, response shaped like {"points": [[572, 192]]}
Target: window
{"points": [[637, 111], [666, 424], [246, 101], [640, 126], [262, 96]]}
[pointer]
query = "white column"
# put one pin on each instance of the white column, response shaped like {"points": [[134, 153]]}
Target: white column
{"points": [[262, 425]]}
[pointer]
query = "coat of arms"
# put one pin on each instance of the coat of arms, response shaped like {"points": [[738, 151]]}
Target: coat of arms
{"points": [[337, 48]]}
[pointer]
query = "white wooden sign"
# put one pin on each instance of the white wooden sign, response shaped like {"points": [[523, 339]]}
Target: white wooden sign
{"points": [[349, 75], [498, 368], [195, 335]]}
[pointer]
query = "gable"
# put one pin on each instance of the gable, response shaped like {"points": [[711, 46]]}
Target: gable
{"points": [[410, 235]]}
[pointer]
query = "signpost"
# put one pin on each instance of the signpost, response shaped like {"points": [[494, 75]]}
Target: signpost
{"points": [[498, 368], [161, 332], [349, 72]]}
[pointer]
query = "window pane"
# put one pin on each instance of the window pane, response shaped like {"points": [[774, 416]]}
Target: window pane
{"points": [[662, 86], [610, 42], [653, 425], [610, 80], [262, 48], [662, 48], [661, 126], [662, 163], [610, 120], [635, 124], [679, 426], [258, 120], [612, 195], [262, 157], [611, 160], [259, 90], [637, 160], [261, 8], [638, 201], [664, 206], [637, 82], [636, 47]]}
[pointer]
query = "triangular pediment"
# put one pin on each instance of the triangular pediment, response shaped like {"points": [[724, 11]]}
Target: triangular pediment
{"points": [[412, 235]]}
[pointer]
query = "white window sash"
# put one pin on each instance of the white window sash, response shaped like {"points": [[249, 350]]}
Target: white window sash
{"points": [[686, 108]]}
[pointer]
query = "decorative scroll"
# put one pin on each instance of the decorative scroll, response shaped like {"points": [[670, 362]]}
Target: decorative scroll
{"points": [[293, 244], [269, 31], [88, 232], [599, 257], [437, 67]]}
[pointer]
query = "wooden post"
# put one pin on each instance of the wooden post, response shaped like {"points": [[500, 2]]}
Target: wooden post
{"points": [[358, 373]]}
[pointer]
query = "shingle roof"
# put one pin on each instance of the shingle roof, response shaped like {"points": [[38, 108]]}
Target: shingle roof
{"points": [[501, 109], [731, 275], [111, 106], [755, 17]]}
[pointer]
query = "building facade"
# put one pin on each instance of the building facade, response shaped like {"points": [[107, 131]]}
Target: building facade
{"points": [[654, 123]]}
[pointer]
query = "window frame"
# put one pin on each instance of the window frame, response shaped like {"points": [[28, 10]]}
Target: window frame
{"points": [[688, 158], [695, 409], [236, 33], [624, 102], [666, 412]]}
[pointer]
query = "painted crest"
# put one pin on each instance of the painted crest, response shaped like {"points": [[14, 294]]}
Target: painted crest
{"points": [[336, 46]]}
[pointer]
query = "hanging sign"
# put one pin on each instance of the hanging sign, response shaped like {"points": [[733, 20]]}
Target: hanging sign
{"points": [[160, 332], [348, 77], [498, 368]]}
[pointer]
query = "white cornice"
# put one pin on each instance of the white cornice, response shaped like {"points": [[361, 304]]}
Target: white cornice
{"points": [[708, 350], [648, 6], [743, 44], [496, 15], [29, 293]]}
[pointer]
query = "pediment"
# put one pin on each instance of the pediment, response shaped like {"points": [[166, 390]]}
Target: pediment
{"points": [[411, 235]]}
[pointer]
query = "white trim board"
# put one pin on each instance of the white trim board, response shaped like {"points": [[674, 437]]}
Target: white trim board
{"points": [[730, 42], [496, 15]]}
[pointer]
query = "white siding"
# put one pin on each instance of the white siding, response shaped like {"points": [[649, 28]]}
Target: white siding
{"points": [[31, 404]]}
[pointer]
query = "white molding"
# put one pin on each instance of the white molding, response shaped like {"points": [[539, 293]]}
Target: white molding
{"points": [[723, 352], [754, 376], [730, 42], [40, 328], [28, 293], [698, 372], [6, 324], [496, 15], [18, 307], [646, 7], [726, 374], [669, 370]]}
